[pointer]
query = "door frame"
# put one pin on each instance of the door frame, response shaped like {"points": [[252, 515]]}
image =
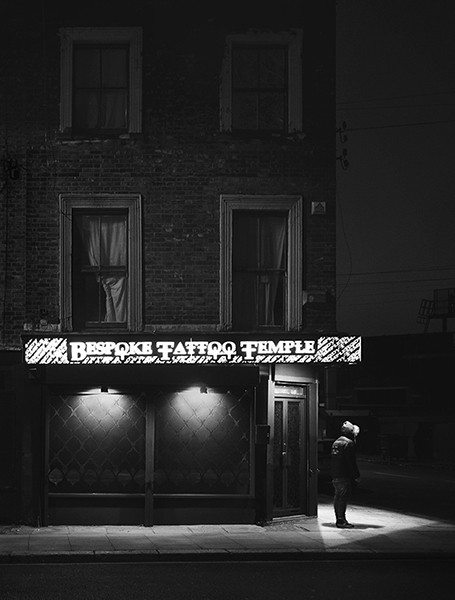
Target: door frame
{"points": [[309, 466], [302, 450]]}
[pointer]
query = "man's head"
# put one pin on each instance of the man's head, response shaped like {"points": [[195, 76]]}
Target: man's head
{"points": [[350, 430]]}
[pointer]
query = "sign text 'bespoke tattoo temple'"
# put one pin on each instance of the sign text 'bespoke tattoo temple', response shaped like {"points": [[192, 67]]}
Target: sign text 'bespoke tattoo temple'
{"points": [[62, 350]]}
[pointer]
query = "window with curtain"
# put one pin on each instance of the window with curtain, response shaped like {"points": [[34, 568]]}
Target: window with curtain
{"points": [[100, 271], [100, 88], [100, 81], [259, 269]]}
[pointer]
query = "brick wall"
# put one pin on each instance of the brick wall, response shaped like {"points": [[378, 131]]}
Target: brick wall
{"points": [[180, 164]]}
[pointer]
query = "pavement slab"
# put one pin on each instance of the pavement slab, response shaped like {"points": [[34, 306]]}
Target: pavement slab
{"points": [[377, 532]]}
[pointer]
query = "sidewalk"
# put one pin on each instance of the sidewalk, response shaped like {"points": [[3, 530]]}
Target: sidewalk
{"points": [[377, 533]]}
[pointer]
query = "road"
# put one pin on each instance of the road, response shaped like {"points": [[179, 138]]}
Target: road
{"points": [[421, 489], [369, 579]]}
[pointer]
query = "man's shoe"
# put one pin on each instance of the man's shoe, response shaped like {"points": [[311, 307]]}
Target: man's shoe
{"points": [[345, 525]]}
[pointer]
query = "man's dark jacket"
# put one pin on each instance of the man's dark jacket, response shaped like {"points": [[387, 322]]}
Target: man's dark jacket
{"points": [[343, 460]]}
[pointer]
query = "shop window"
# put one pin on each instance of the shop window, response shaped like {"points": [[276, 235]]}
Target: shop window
{"points": [[261, 262], [101, 271], [101, 81], [203, 442], [85, 457], [261, 84]]}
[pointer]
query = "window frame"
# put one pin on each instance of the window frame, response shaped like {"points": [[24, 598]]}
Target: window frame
{"points": [[293, 205], [293, 41], [101, 36], [132, 204]]}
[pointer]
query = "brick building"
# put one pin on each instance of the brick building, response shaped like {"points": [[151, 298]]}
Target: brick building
{"points": [[167, 260]]}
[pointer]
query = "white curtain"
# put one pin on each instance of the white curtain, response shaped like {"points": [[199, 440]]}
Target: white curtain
{"points": [[272, 257], [259, 263], [105, 242], [115, 83], [113, 110]]}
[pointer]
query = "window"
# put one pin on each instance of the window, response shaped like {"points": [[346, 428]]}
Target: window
{"points": [[261, 83], [261, 260], [101, 79], [259, 88], [100, 269], [258, 270], [100, 88], [101, 255]]}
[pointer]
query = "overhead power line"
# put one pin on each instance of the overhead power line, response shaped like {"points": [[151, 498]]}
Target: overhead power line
{"points": [[384, 106], [388, 271], [400, 281], [416, 124], [388, 290], [405, 97]]}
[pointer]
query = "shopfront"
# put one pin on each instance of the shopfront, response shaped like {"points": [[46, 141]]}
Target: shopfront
{"points": [[175, 429]]}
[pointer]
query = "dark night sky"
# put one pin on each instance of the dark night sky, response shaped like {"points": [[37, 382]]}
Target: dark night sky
{"points": [[396, 216]]}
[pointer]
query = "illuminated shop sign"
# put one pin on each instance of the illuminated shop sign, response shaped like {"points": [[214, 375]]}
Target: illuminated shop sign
{"points": [[68, 351]]}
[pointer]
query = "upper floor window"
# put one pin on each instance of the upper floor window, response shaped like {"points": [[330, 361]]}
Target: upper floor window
{"points": [[261, 83], [100, 269], [261, 263], [101, 276], [259, 89], [101, 80], [100, 88], [259, 270]]}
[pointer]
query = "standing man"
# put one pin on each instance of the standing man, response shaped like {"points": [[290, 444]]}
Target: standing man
{"points": [[344, 471]]}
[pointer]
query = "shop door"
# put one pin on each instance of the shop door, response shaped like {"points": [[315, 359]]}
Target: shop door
{"points": [[289, 450]]}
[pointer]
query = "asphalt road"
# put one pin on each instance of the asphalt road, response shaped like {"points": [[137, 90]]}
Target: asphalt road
{"points": [[421, 489], [369, 579]]}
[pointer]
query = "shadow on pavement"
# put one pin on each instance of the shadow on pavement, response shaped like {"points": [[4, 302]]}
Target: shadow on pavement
{"points": [[357, 526]]}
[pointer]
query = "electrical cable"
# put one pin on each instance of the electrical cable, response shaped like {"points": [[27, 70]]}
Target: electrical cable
{"points": [[444, 268], [345, 237], [397, 106], [401, 281], [416, 124], [404, 97]]}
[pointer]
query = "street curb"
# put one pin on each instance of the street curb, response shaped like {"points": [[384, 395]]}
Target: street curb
{"points": [[97, 557]]}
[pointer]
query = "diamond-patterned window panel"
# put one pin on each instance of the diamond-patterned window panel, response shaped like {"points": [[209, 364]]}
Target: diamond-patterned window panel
{"points": [[202, 443], [96, 444]]}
